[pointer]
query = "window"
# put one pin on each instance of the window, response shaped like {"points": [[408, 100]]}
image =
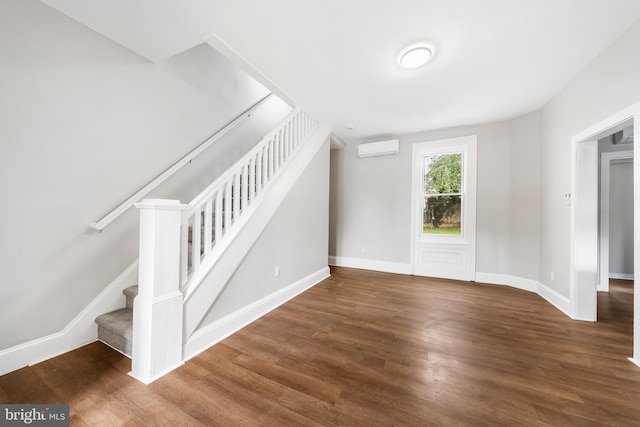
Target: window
{"points": [[442, 192]]}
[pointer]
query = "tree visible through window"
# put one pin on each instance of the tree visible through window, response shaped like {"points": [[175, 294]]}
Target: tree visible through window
{"points": [[442, 212]]}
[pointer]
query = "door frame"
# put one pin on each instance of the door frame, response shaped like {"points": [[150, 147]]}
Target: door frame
{"points": [[583, 269]]}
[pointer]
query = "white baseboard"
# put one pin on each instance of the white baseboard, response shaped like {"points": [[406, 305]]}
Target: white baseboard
{"points": [[621, 276], [524, 284], [32, 352], [508, 280], [370, 264], [561, 302], [80, 331], [491, 278], [551, 296], [635, 361], [209, 335]]}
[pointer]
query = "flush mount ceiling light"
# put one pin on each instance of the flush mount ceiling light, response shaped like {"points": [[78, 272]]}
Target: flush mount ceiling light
{"points": [[415, 56]]}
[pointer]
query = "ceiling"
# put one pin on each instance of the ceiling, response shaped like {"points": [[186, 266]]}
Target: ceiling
{"points": [[494, 59]]}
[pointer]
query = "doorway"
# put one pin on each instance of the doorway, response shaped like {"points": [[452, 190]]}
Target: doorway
{"points": [[616, 215], [584, 225]]}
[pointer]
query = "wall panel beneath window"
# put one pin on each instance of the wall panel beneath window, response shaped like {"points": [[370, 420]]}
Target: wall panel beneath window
{"points": [[443, 261]]}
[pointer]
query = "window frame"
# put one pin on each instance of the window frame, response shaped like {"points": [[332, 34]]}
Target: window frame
{"points": [[467, 145]]}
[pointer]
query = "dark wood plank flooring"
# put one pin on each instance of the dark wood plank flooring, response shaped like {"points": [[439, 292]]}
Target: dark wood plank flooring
{"points": [[373, 349]]}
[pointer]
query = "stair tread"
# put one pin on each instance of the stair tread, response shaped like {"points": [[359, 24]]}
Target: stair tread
{"points": [[119, 322], [131, 291]]}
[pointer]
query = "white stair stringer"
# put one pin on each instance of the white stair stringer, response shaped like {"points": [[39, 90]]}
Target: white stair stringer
{"points": [[206, 285]]}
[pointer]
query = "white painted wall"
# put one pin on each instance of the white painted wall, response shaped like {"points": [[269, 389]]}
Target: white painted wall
{"points": [[608, 85], [621, 220], [85, 123], [370, 199], [210, 72], [295, 240], [524, 203], [371, 205]]}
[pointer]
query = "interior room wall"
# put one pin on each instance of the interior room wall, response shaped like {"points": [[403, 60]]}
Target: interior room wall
{"points": [[371, 199], [370, 205], [524, 198], [85, 124], [608, 85]]}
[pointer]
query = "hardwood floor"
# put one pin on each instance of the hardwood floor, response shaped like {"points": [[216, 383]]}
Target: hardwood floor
{"points": [[373, 349]]}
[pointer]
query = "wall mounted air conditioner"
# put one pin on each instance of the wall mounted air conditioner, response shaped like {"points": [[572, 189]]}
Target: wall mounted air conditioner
{"points": [[625, 136], [380, 148]]}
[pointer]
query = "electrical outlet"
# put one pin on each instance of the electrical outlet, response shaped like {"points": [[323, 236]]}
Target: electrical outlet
{"points": [[363, 249], [553, 275], [277, 271]]}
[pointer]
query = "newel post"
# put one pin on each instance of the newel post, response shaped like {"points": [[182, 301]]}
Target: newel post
{"points": [[157, 310]]}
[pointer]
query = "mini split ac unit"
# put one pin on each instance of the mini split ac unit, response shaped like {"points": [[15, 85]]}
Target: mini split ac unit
{"points": [[380, 148]]}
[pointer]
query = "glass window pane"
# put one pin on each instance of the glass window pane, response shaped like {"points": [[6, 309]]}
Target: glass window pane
{"points": [[442, 174], [442, 215]]}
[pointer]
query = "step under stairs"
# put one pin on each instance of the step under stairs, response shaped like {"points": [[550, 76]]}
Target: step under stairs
{"points": [[115, 329]]}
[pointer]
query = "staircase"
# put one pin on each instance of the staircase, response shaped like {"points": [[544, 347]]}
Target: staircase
{"points": [[188, 252], [115, 329]]}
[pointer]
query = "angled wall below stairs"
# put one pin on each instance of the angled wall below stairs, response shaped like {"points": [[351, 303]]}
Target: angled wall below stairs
{"points": [[295, 241]]}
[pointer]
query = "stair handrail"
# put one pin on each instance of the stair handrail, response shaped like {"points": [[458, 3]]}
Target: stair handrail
{"points": [[101, 224], [223, 202]]}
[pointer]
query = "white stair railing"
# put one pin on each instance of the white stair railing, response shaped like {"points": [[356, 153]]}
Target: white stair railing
{"points": [[211, 224], [210, 219], [168, 173]]}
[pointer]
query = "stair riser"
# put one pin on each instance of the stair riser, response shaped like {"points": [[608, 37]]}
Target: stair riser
{"points": [[130, 294], [114, 340]]}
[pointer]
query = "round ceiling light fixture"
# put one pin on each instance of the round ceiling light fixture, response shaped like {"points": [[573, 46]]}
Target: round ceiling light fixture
{"points": [[415, 56]]}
